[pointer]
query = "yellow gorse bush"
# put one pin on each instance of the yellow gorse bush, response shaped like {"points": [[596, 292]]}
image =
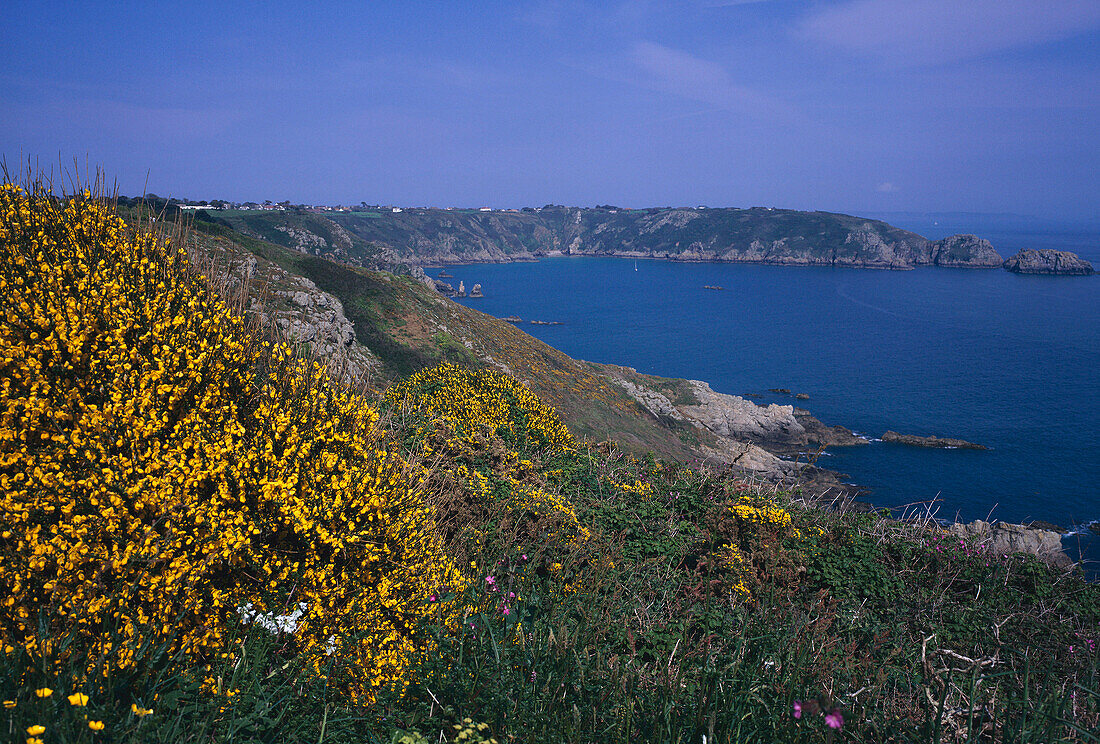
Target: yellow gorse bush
{"points": [[472, 420], [466, 401], [761, 513], [161, 466]]}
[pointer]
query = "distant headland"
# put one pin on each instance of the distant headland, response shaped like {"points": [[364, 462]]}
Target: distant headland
{"points": [[417, 237]]}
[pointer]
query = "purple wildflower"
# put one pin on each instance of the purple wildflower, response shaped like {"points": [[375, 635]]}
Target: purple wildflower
{"points": [[797, 713], [834, 720]]}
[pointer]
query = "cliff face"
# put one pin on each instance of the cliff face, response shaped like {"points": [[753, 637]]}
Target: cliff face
{"points": [[291, 306], [1046, 261], [757, 235], [964, 251]]}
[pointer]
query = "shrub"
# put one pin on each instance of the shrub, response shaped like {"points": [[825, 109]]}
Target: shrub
{"points": [[162, 467], [465, 401]]}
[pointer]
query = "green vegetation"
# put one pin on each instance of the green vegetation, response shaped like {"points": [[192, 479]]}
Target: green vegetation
{"points": [[448, 561]]}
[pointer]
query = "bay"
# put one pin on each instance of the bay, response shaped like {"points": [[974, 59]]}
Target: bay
{"points": [[1007, 361]]}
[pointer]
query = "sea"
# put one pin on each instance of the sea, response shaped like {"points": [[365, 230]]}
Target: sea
{"points": [[1007, 361]]}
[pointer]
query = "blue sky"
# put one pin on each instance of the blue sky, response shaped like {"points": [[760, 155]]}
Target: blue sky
{"points": [[849, 105]]}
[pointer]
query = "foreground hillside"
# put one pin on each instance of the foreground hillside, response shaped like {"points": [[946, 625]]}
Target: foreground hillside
{"points": [[206, 537], [760, 235]]}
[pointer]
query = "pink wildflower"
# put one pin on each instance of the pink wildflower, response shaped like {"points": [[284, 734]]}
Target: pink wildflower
{"points": [[506, 610], [490, 580], [834, 720], [797, 713]]}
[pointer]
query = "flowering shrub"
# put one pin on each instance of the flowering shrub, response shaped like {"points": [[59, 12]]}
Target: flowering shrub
{"points": [[162, 467], [466, 401]]}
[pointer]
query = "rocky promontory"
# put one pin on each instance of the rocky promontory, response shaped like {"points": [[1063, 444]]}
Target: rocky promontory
{"points": [[964, 251], [1047, 261], [930, 441], [742, 434]]}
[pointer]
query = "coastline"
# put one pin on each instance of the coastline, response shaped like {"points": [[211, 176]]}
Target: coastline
{"points": [[442, 262], [800, 326]]}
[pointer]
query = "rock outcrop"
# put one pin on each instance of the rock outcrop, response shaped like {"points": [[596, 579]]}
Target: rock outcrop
{"points": [[743, 435], [821, 435], [1005, 538], [476, 291], [295, 307], [964, 251], [736, 418], [1046, 261], [931, 441]]}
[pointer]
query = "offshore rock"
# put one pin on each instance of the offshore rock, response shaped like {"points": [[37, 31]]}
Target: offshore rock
{"points": [[964, 251], [931, 441], [1005, 538], [1047, 261], [476, 291]]}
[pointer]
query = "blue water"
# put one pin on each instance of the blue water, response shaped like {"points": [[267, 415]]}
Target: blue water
{"points": [[1011, 362]]}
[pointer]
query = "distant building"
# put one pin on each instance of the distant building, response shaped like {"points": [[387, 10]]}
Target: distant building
{"points": [[485, 209], [395, 210]]}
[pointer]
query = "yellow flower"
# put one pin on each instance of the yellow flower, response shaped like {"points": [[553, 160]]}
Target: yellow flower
{"points": [[43, 692], [9, 704], [139, 712], [34, 740], [95, 725], [36, 729], [78, 698]]}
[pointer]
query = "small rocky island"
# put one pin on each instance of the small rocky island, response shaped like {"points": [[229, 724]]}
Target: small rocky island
{"points": [[931, 441], [964, 252], [1047, 261]]}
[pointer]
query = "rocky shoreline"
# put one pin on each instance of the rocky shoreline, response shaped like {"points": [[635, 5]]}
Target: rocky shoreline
{"points": [[781, 444], [955, 252]]}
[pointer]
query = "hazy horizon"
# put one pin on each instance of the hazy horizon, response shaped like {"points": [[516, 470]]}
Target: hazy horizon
{"points": [[854, 106]]}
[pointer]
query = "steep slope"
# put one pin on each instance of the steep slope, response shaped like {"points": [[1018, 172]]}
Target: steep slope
{"points": [[375, 327]]}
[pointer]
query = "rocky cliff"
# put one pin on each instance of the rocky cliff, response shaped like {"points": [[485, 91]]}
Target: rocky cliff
{"points": [[1046, 261], [964, 251], [291, 306], [757, 235]]}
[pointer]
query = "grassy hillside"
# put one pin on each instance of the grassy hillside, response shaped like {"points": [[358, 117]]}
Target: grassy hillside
{"points": [[204, 538]]}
